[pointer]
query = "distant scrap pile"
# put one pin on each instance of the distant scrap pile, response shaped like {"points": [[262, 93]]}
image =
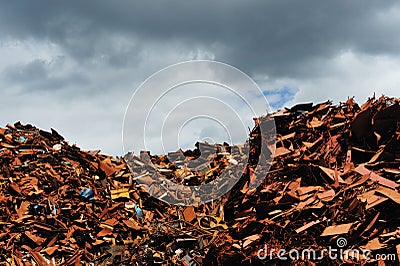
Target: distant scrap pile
{"points": [[334, 182]]}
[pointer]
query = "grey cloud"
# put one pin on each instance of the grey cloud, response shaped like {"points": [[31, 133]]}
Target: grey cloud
{"points": [[36, 75], [283, 38], [34, 70]]}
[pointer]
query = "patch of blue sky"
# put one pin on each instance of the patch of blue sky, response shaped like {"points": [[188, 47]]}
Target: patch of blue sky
{"points": [[278, 97]]}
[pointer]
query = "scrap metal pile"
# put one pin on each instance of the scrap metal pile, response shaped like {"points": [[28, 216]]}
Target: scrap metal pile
{"points": [[334, 182]]}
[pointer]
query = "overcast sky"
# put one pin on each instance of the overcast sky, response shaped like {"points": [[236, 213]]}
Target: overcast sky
{"points": [[73, 65]]}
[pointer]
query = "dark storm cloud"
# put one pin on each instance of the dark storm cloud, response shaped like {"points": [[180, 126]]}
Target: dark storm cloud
{"points": [[283, 38]]}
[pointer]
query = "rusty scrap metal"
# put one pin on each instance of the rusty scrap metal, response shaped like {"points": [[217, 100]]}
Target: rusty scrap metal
{"points": [[336, 173]]}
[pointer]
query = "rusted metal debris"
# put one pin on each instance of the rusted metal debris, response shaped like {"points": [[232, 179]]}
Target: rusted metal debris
{"points": [[335, 174]]}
